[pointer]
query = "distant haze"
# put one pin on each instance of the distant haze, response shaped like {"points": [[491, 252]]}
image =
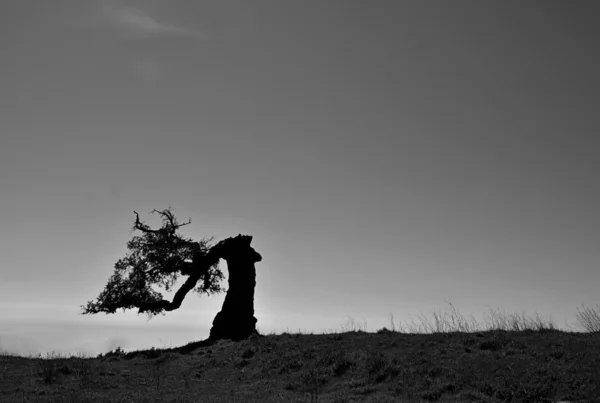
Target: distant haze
{"points": [[387, 156]]}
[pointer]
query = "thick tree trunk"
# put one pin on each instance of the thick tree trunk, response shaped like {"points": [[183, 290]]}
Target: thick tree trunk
{"points": [[236, 320]]}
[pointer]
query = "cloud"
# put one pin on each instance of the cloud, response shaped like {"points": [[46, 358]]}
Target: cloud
{"points": [[138, 22]]}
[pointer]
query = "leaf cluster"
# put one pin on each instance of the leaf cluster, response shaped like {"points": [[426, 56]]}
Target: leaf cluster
{"points": [[157, 257]]}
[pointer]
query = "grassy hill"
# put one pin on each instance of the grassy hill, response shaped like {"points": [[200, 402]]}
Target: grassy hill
{"points": [[534, 363]]}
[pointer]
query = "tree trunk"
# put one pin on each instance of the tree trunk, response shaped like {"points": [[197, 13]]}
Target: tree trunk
{"points": [[236, 320]]}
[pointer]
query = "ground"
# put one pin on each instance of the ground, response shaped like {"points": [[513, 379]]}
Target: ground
{"points": [[493, 366]]}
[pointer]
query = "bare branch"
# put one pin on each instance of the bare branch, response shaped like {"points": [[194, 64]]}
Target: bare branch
{"points": [[171, 218], [139, 225]]}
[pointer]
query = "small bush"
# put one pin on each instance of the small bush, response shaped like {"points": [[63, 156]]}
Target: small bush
{"points": [[242, 363], [290, 366], [379, 368], [117, 352], [384, 330], [491, 345], [152, 353], [341, 366], [248, 353], [498, 341], [49, 367]]}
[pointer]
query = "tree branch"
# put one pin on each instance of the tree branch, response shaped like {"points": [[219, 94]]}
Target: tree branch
{"points": [[139, 225], [157, 258], [196, 270], [171, 218]]}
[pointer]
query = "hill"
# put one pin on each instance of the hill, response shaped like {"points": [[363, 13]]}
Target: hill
{"points": [[546, 365]]}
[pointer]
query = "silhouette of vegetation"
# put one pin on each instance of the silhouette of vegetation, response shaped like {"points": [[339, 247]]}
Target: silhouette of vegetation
{"points": [[588, 318], [158, 257]]}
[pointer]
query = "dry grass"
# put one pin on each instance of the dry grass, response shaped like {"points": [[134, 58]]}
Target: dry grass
{"points": [[445, 358], [588, 319]]}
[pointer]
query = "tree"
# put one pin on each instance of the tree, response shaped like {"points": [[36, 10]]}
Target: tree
{"points": [[158, 257]]}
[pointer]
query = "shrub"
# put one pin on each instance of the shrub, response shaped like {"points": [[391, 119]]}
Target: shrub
{"points": [[49, 367]]}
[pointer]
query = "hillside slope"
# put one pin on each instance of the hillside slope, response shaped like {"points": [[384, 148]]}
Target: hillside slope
{"points": [[494, 366]]}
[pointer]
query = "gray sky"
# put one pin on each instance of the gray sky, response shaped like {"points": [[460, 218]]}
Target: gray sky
{"points": [[387, 156]]}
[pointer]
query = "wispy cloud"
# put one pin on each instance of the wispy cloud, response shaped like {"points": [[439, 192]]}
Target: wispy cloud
{"points": [[138, 22]]}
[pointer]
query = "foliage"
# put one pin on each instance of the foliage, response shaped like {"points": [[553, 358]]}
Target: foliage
{"points": [[157, 258]]}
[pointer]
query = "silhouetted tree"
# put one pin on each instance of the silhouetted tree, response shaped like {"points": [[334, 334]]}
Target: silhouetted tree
{"points": [[158, 257]]}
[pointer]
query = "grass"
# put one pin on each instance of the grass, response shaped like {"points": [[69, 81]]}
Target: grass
{"points": [[445, 358]]}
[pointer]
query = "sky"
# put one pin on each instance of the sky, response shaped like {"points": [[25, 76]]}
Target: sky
{"points": [[386, 156]]}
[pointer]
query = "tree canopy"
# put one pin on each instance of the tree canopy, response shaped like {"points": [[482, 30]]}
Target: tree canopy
{"points": [[157, 258]]}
